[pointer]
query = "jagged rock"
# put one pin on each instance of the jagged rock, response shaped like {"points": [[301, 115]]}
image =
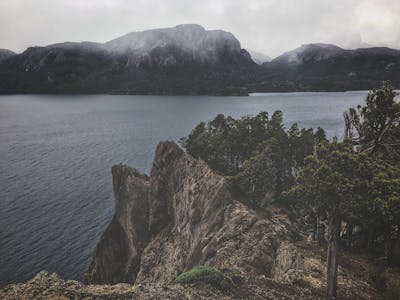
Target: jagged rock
{"points": [[64, 290], [181, 216]]}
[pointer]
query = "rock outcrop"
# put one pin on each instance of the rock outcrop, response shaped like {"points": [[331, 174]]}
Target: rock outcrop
{"points": [[50, 286], [181, 216], [184, 215]]}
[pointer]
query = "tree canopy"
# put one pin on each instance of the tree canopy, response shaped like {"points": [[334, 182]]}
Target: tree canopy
{"points": [[355, 181], [258, 152]]}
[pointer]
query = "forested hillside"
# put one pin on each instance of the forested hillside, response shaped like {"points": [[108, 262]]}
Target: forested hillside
{"points": [[344, 193]]}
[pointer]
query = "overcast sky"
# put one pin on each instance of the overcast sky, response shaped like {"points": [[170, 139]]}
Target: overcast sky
{"points": [[267, 26]]}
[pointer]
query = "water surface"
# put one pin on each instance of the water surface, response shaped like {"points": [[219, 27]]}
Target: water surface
{"points": [[56, 154]]}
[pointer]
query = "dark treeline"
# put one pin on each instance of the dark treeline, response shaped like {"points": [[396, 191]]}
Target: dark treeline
{"points": [[345, 192], [257, 152]]}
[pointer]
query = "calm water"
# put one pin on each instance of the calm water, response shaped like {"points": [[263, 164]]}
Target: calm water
{"points": [[56, 154]]}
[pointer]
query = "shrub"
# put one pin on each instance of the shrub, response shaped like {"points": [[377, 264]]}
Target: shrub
{"points": [[205, 274]]}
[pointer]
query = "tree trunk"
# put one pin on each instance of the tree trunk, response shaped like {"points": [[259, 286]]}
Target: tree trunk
{"points": [[320, 231], [370, 239], [349, 234], [315, 229], [332, 261], [388, 248], [364, 238], [396, 251]]}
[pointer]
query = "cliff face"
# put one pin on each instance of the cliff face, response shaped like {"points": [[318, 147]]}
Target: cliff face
{"points": [[184, 215], [198, 45], [181, 216]]}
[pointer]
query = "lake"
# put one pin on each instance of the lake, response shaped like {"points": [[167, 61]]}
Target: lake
{"points": [[56, 153]]}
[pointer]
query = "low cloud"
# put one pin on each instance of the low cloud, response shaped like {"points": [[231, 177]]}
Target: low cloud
{"points": [[267, 26]]}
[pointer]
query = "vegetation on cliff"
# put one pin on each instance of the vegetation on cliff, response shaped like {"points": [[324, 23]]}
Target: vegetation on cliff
{"points": [[205, 274], [352, 184], [257, 152]]}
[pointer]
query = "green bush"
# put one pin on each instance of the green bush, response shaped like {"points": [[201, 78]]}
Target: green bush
{"points": [[207, 275]]}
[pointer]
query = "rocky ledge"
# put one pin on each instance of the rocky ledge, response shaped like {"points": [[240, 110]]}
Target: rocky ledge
{"points": [[184, 215]]}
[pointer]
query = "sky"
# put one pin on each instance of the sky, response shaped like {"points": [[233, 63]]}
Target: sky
{"points": [[267, 26]]}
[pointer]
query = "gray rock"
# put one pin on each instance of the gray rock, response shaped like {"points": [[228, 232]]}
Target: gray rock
{"points": [[181, 216]]}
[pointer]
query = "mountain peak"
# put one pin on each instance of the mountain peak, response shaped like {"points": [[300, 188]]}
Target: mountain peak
{"points": [[192, 39], [308, 52], [190, 27], [320, 45], [5, 53]]}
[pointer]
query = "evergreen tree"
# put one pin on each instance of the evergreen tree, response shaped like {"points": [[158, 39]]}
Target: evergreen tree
{"points": [[375, 126]]}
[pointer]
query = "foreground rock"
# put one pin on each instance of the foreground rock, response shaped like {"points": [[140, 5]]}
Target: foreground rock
{"points": [[50, 286], [181, 216], [184, 215]]}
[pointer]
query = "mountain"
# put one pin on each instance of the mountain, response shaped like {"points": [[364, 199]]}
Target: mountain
{"points": [[185, 219], [5, 53], [259, 58], [192, 43], [309, 53], [326, 67], [186, 59], [189, 60]]}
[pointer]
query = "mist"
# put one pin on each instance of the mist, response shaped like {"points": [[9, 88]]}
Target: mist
{"points": [[267, 26]]}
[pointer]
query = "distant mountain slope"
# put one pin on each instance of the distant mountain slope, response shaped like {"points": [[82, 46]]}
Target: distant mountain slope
{"points": [[324, 67], [194, 42], [305, 54], [5, 53], [327, 53], [186, 59], [259, 58]]}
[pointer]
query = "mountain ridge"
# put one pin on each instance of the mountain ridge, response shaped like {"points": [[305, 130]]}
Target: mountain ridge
{"points": [[5, 54], [327, 67], [190, 60], [158, 61]]}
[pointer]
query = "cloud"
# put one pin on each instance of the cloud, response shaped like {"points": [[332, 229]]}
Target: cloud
{"points": [[268, 26], [379, 22]]}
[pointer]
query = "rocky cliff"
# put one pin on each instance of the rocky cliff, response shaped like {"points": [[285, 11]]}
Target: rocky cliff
{"points": [[181, 216], [184, 215]]}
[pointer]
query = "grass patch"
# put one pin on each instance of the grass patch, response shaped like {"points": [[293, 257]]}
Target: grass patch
{"points": [[204, 274]]}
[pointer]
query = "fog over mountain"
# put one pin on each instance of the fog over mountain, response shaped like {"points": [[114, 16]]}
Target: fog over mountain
{"points": [[188, 59], [305, 53], [259, 58], [266, 26], [5, 53], [203, 45], [185, 59]]}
